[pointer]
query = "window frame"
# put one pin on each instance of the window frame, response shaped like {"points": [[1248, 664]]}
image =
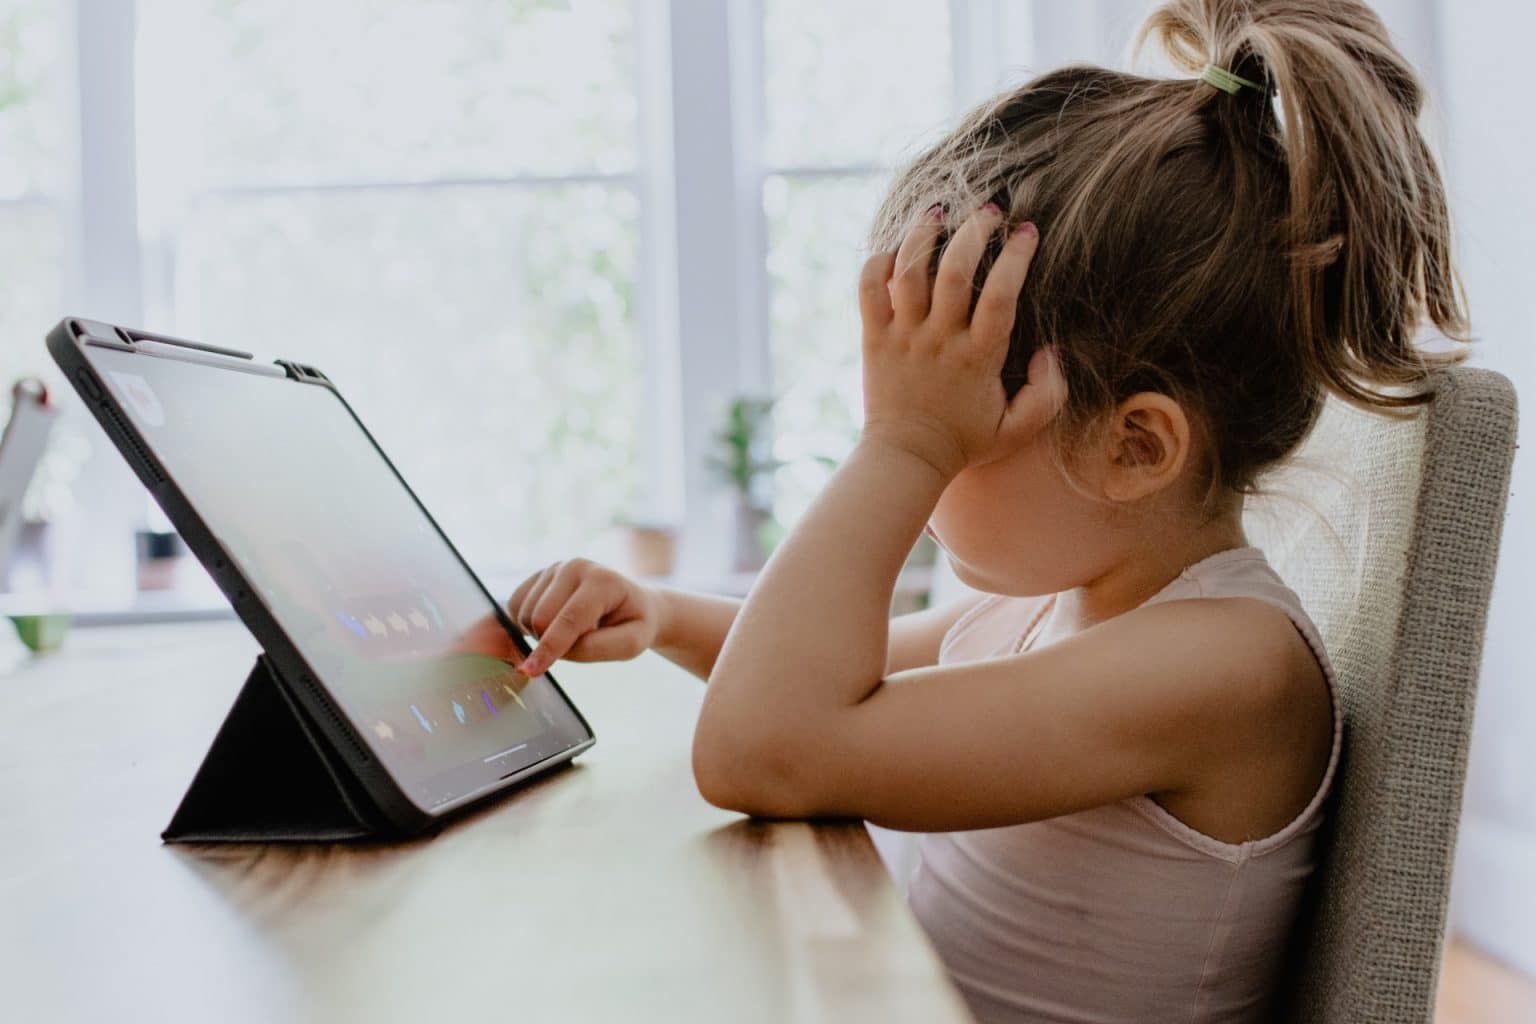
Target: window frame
{"points": [[989, 41]]}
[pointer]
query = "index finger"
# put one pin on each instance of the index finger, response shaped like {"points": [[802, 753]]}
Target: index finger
{"points": [[577, 615], [999, 301]]}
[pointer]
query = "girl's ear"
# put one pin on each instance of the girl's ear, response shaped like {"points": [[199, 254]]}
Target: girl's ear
{"points": [[1148, 444]]}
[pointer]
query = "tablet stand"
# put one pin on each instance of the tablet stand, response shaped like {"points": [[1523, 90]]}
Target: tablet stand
{"points": [[271, 776]]}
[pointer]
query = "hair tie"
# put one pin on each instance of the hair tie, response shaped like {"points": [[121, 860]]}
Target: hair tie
{"points": [[1226, 81]]}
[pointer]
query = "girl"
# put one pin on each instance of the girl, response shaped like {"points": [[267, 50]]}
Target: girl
{"points": [[1113, 302]]}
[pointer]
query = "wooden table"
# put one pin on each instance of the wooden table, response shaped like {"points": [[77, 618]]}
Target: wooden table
{"points": [[610, 891]]}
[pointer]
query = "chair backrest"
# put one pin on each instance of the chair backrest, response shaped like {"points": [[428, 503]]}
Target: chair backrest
{"points": [[1388, 529]]}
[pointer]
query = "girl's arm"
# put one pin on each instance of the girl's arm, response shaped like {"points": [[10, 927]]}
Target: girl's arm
{"points": [[692, 628], [800, 718], [587, 612], [1160, 700]]}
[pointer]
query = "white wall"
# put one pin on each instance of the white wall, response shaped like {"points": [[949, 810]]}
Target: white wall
{"points": [[1491, 158]]}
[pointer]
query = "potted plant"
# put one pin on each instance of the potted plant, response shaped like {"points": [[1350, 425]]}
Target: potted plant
{"points": [[743, 458], [650, 547]]}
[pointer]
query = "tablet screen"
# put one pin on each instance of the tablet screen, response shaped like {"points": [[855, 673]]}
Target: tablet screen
{"points": [[377, 603]]}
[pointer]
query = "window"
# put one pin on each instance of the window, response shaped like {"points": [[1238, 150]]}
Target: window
{"points": [[445, 206], [35, 198], [32, 163], [448, 230], [850, 89]]}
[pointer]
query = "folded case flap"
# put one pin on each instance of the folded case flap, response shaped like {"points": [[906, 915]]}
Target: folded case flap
{"points": [[270, 776]]}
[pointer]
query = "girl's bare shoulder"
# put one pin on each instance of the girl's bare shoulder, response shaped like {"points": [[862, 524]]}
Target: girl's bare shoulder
{"points": [[1265, 716]]}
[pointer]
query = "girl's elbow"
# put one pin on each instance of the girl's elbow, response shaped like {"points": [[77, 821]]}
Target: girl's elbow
{"points": [[753, 776]]}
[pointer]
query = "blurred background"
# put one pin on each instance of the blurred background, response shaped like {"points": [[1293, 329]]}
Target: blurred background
{"points": [[586, 267]]}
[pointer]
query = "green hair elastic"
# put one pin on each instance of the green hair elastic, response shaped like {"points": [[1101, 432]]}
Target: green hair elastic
{"points": [[1226, 81]]}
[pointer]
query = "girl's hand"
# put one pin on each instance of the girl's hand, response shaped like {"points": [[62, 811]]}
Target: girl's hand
{"points": [[932, 369], [583, 611]]}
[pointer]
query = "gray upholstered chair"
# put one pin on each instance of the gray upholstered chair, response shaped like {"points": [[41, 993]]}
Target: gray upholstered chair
{"points": [[1392, 550]]}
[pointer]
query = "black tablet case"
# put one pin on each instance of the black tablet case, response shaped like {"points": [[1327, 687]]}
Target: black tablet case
{"points": [[272, 773], [270, 776]]}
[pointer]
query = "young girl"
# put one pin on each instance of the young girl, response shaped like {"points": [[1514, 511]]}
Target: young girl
{"points": [[1113, 302]]}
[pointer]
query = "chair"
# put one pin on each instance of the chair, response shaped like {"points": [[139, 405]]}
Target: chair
{"points": [[1393, 554]]}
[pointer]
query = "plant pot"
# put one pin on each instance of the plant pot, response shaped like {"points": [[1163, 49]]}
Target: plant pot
{"points": [[750, 520], [651, 550]]}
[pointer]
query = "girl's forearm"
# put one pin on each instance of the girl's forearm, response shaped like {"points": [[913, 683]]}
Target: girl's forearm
{"points": [[814, 629], [691, 628], [694, 626]]}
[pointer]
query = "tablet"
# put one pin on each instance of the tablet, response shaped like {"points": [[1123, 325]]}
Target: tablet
{"points": [[373, 620]]}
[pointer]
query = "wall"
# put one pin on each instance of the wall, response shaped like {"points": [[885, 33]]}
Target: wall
{"points": [[1491, 160]]}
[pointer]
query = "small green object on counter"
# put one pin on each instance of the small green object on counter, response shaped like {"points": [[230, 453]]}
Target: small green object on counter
{"points": [[42, 632]]}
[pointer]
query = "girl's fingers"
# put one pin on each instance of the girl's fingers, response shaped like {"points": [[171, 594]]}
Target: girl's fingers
{"points": [[552, 599], [875, 291], [954, 284], [521, 604], [1040, 399], [515, 602], [577, 613], [992, 322], [909, 285], [610, 643]]}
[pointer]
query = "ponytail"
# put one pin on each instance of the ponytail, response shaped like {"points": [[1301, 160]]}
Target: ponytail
{"points": [[1245, 239], [1366, 225]]}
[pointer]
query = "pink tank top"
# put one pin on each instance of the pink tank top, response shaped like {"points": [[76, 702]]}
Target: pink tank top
{"points": [[1121, 912]]}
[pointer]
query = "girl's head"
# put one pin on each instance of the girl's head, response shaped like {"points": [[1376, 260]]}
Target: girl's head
{"points": [[1210, 266]]}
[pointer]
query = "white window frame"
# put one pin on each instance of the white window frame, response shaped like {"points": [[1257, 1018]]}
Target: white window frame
{"points": [[101, 276], [717, 52]]}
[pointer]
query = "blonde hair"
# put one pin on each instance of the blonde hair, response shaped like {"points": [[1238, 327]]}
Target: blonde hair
{"points": [[1245, 254]]}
